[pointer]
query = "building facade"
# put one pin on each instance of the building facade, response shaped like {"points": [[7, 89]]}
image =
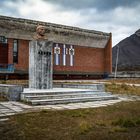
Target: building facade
{"points": [[77, 53]]}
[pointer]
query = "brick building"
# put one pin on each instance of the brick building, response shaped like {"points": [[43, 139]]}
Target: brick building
{"points": [[77, 53]]}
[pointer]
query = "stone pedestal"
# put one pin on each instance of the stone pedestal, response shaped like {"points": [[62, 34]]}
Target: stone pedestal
{"points": [[40, 64]]}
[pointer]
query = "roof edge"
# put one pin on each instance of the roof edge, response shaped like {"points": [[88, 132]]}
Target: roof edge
{"points": [[70, 28]]}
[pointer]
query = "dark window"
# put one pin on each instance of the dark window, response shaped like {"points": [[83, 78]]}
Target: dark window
{"points": [[15, 51], [3, 39]]}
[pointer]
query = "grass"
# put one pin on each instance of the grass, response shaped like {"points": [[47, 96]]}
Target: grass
{"points": [[14, 82], [122, 89], [126, 80], [120, 121], [84, 127]]}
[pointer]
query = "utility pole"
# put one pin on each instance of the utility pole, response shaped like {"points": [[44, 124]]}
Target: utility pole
{"points": [[116, 67]]}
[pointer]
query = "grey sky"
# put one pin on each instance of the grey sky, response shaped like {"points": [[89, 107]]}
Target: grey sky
{"points": [[121, 17], [98, 4]]}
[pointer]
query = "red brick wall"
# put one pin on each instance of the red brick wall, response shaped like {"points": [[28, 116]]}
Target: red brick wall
{"points": [[86, 59], [23, 54], [10, 51]]}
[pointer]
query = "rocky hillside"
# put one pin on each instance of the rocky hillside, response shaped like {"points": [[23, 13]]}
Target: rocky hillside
{"points": [[129, 53]]}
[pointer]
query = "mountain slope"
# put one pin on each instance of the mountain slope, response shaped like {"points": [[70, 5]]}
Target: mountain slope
{"points": [[129, 53]]}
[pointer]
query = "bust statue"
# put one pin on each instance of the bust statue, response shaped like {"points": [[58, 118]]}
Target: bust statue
{"points": [[40, 60], [40, 33]]}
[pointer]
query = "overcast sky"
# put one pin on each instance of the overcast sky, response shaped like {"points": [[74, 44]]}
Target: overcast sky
{"points": [[121, 17]]}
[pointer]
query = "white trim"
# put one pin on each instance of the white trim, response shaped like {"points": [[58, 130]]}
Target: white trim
{"points": [[57, 55], [64, 55], [71, 55]]}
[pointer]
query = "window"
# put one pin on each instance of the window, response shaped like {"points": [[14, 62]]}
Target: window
{"points": [[57, 54], [15, 51], [3, 39], [64, 55], [64, 52], [71, 53]]}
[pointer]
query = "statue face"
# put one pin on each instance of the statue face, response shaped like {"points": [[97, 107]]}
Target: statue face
{"points": [[41, 31]]}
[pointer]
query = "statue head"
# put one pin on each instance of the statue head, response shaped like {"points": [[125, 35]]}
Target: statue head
{"points": [[40, 32]]}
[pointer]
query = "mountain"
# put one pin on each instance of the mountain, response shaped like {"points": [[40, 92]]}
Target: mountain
{"points": [[128, 53]]}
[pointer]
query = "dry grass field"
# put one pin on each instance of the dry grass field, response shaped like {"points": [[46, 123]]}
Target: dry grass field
{"points": [[118, 122], [122, 89]]}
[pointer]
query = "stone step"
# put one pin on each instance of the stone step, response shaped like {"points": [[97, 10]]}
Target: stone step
{"points": [[64, 95], [55, 91], [80, 86], [61, 96], [71, 100]]}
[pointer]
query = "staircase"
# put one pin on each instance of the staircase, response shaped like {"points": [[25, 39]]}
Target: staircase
{"points": [[66, 95]]}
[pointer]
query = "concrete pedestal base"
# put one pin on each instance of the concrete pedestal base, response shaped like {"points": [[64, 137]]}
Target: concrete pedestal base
{"points": [[64, 95], [40, 64]]}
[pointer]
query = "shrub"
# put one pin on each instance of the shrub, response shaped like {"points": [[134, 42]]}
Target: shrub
{"points": [[138, 121], [124, 86], [118, 129], [84, 127], [125, 123]]}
